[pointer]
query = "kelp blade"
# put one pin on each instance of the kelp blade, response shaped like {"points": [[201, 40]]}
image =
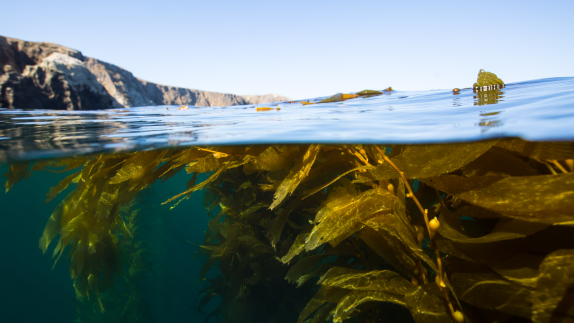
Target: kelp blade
{"points": [[342, 229]]}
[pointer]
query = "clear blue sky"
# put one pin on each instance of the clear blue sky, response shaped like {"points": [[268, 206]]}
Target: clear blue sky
{"points": [[304, 49]]}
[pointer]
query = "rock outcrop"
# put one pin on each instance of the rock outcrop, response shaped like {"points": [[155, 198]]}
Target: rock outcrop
{"points": [[35, 75], [119, 83]]}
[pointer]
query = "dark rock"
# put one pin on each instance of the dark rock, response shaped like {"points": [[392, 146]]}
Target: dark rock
{"points": [[36, 75], [19, 53], [59, 82]]}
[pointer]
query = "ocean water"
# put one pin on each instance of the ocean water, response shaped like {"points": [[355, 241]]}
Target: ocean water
{"points": [[164, 284], [31, 291], [533, 110]]}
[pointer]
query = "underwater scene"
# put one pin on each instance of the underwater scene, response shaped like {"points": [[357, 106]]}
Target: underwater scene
{"points": [[376, 206]]}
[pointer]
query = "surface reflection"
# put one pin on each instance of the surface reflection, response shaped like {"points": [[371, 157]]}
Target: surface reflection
{"points": [[534, 110], [488, 97], [489, 120]]}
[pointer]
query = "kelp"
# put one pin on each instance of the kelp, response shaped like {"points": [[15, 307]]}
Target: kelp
{"points": [[299, 171], [126, 301], [15, 174], [344, 214], [449, 232], [549, 198], [476, 231], [551, 301], [339, 97], [487, 79], [488, 91], [430, 160]]}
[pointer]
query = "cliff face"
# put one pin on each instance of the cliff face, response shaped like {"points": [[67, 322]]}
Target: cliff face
{"points": [[119, 83], [49, 76], [36, 75]]}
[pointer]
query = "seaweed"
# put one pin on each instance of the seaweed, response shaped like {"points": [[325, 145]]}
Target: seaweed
{"points": [[476, 231], [124, 302]]}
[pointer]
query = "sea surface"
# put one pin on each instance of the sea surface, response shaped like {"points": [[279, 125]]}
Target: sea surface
{"points": [[532, 110], [32, 291]]}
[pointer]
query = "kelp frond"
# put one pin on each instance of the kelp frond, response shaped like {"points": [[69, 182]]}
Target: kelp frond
{"points": [[450, 232]]}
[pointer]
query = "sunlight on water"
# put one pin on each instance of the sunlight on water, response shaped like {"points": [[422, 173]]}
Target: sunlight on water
{"points": [[416, 209], [533, 110]]}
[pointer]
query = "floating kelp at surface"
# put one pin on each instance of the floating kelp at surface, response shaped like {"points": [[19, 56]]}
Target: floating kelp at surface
{"points": [[476, 231], [538, 110], [488, 88], [487, 79]]}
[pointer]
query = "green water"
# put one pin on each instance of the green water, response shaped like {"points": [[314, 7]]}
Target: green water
{"points": [[30, 291]]}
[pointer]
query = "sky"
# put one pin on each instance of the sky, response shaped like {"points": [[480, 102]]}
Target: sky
{"points": [[312, 48]]}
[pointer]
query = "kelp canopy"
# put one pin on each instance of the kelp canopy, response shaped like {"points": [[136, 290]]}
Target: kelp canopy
{"points": [[453, 232], [464, 232]]}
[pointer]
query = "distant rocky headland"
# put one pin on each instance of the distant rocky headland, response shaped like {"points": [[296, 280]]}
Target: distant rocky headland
{"points": [[39, 75]]}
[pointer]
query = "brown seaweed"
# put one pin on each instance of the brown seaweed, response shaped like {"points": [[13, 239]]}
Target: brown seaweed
{"points": [[476, 231], [348, 217]]}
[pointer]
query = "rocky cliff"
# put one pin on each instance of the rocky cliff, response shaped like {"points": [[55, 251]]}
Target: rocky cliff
{"points": [[38, 75]]}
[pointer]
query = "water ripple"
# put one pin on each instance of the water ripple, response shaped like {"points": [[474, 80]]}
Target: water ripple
{"points": [[533, 110]]}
